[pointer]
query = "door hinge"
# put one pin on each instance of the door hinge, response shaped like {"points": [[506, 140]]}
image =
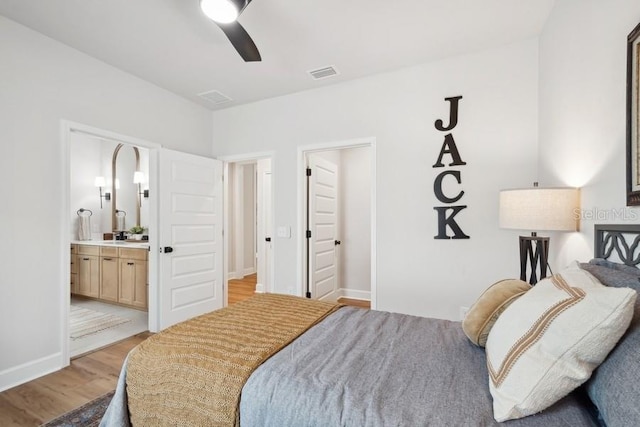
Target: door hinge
{"points": [[308, 234], [308, 171]]}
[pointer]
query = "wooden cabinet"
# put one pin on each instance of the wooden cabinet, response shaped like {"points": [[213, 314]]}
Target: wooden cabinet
{"points": [[133, 282], [73, 279], [110, 273], [133, 277], [88, 271]]}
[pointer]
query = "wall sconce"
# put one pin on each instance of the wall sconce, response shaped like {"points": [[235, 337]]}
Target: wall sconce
{"points": [[100, 182], [138, 178]]}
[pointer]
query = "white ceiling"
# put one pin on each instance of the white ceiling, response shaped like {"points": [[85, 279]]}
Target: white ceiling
{"points": [[171, 44]]}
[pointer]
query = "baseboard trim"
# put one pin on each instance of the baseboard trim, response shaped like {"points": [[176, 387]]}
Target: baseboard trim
{"points": [[347, 293], [29, 371], [259, 288], [354, 294], [248, 271]]}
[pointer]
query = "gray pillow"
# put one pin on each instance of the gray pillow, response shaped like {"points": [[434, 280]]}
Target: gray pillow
{"points": [[615, 386], [634, 271]]}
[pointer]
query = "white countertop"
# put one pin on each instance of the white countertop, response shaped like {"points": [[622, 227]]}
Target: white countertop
{"points": [[138, 244]]}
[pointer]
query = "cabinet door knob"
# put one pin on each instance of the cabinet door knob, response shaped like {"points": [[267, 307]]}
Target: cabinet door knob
{"points": [[86, 259], [131, 263]]}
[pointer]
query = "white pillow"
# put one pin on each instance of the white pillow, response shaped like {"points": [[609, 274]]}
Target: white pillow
{"points": [[549, 341]]}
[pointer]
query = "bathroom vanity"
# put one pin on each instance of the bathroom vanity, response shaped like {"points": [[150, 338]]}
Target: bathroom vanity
{"points": [[111, 271]]}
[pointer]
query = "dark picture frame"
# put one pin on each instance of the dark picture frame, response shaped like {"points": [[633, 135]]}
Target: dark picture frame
{"points": [[633, 117]]}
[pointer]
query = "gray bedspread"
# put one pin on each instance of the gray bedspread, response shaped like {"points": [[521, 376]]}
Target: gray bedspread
{"points": [[370, 368], [362, 368]]}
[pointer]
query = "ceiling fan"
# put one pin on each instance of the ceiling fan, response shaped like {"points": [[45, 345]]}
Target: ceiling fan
{"points": [[225, 14]]}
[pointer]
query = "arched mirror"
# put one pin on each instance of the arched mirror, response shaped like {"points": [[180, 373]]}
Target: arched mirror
{"points": [[125, 209]]}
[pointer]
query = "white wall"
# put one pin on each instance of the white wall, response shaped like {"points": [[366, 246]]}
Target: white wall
{"points": [[241, 259], [249, 218], [86, 160], [232, 222], [355, 221], [582, 113], [497, 137], [43, 82]]}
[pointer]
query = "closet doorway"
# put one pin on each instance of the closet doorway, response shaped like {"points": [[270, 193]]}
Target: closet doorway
{"points": [[338, 205], [249, 237]]}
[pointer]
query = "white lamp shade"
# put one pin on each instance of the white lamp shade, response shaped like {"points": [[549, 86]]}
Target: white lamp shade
{"points": [[138, 177], [221, 11], [100, 181], [540, 209]]}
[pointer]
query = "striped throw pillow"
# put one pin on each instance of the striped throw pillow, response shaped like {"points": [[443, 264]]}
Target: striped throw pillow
{"points": [[549, 341]]}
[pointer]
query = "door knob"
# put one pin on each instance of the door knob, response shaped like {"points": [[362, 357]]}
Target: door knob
{"points": [[267, 239], [167, 249], [338, 242]]}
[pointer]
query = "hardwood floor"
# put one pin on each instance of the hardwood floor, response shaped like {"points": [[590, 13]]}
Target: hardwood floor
{"points": [[241, 289], [48, 397], [90, 376], [355, 302]]}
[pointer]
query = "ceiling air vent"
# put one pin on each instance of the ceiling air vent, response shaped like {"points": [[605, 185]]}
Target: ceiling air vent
{"points": [[323, 73], [215, 97]]}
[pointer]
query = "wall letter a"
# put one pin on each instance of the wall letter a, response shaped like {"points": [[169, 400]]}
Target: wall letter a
{"points": [[449, 147]]}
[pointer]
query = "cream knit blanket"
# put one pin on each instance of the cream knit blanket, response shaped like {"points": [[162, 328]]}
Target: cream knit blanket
{"points": [[192, 373]]}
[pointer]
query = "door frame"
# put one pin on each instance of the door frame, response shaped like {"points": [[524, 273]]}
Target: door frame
{"points": [[68, 127], [242, 158], [303, 152]]}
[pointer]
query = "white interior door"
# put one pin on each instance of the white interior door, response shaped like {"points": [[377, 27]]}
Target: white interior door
{"points": [[265, 226], [323, 221], [190, 236]]}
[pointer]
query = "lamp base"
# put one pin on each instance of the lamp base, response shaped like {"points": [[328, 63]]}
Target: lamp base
{"points": [[537, 257]]}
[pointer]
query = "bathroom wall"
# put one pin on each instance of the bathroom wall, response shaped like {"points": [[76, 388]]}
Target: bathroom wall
{"points": [[86, 163], [92, 157]]}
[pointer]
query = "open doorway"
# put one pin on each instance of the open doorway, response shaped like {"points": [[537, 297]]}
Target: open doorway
{"points": [[249, 237], [339, 222], [110, 288], [109, 232]]}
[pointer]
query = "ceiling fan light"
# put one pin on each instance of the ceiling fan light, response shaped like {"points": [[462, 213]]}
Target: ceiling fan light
{"points": [[221, 11]]}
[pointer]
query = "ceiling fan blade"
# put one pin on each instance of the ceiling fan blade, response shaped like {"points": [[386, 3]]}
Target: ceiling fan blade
{"points": [[241, 40], [241, 4]]}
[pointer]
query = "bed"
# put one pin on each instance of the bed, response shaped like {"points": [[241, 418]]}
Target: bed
{"points": [[345, 366]]}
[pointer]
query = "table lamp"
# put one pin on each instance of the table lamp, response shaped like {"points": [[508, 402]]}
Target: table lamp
{"points": [[538, 209]]}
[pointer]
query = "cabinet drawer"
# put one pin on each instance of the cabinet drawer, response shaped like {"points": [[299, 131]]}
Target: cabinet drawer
{"points": [[130, 253], [88, 250], [111, 251]]}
